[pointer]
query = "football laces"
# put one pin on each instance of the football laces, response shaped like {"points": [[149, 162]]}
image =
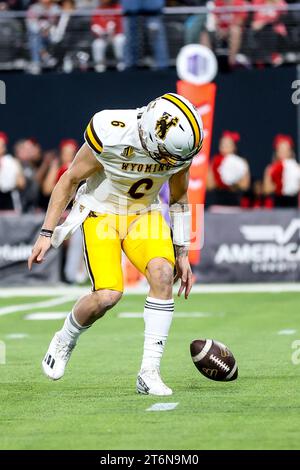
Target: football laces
{"points": [[219, 363]]}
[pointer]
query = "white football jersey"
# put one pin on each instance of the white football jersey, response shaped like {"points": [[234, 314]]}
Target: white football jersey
{"points": [[131, 180]]}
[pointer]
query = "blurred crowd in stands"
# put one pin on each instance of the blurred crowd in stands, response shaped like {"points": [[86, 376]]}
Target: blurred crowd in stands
{"points": [[29, 174], [229, 181], [68, 34], [27, 179]]}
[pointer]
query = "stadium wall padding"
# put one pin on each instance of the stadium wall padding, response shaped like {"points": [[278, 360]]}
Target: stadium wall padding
{"points": [[257, 103], [250, 246], [17, 236]]}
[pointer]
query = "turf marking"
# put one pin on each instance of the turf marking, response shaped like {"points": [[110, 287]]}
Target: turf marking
{"points": [[162, 407], [176, 314], [58, 290], [34, 305], [287, 332], [43, 291], [61, 315], [16, 336], [46, 316]]}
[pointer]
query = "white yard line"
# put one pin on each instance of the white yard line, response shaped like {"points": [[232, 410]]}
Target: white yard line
{"points": [[76, 291], [35, 305], [287, 332], [46, 316], [162, 407], [16, 336], [41, 291]]}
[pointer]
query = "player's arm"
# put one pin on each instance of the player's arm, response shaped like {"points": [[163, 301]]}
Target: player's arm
{"points": [[83, 166], [180, 219]]}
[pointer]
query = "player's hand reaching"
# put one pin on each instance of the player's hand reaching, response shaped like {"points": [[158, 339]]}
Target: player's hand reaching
{"points": [[39, 250], [183, 272]]}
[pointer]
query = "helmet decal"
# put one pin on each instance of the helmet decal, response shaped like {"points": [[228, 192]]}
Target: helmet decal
{"points": [[176, 147], [163, 125], [188, 114]]}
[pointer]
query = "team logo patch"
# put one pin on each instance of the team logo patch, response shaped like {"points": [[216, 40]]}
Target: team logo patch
{"points": [[164, 124], [224, 352], [127, 152], [210, 372]]}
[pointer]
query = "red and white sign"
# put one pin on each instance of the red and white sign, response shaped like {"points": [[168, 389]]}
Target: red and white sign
{"points": [[203, 97]]}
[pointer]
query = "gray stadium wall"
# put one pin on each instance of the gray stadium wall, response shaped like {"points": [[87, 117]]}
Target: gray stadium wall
{"points": [[257, 103]]}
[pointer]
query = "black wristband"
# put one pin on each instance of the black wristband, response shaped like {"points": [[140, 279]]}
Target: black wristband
{"points": [[46, 233]]}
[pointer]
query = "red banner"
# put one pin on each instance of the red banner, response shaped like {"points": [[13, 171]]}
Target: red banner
{"points": [[203, 98]]}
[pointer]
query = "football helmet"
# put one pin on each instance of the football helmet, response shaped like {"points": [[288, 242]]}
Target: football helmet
{"points": [[170, 130]]}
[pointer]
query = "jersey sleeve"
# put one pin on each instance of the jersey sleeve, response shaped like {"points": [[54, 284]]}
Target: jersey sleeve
{"points": [[92, 134]]}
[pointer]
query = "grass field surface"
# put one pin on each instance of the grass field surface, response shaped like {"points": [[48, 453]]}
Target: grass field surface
{"points": [[95, 405]]}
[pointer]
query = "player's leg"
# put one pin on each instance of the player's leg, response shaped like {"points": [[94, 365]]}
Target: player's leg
{"points": [[118, 43], [86, 311], [149, 248], [99, 46], [158, 314], [103, 257]]}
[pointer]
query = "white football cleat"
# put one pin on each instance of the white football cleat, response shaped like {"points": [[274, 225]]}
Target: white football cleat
{"points": [[149, 382], [57, 357]]}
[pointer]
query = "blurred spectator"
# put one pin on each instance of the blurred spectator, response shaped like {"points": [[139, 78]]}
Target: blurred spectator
{"points": [[108, 30], [282, 176], [73, 268], [150, 11], [28, 153], [11, 32], [11, 178], [48, 157], [86, 4], [58, 166], [71, 38], [195, 24], [58, 30], [268, 30], [41, 18], [228, 175], [228, 27]]}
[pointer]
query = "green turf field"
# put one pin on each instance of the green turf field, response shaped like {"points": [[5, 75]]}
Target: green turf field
{"points": [[95, 405]]}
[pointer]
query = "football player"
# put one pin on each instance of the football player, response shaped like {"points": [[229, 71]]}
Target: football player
{"points": [[126, 158]]}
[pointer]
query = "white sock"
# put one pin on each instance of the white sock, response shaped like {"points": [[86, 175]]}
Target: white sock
{"points": [[158, 316], [71, 330]]}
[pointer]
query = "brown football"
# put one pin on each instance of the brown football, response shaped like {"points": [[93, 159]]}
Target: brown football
{"points": [[214, 360]]}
